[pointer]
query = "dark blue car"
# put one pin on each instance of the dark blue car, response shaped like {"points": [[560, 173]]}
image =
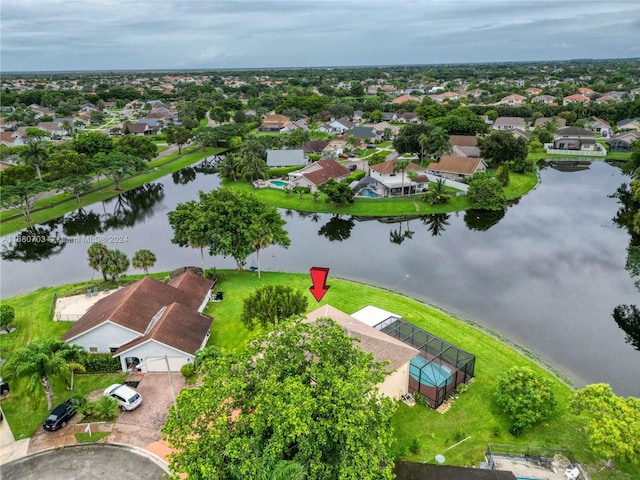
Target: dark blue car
{"points": [[61, 415]]}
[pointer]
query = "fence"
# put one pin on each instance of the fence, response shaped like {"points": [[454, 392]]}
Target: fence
{"points": [[543, 456], [52, 308], [601, 152], [68, 317]]}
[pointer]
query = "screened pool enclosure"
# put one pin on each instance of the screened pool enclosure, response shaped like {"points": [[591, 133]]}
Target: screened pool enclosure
{"points": [[439, 367]]}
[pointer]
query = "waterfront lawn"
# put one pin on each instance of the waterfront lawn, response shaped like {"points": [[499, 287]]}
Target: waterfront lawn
{"points": [[473, 415]]}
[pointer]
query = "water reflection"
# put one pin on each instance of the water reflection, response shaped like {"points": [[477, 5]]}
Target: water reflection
{"points": [[184, 176], [34, 243], [397, 236], [134, 206], [436, 223], [482, 220], [628, 319], [337, 229], [82, 222]]}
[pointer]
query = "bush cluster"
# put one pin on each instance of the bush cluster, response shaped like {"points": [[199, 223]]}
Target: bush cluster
{"points": [[100, 363]]}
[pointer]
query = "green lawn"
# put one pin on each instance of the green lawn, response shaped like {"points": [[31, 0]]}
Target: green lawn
{"points": [[93, 437], [474, 414]]}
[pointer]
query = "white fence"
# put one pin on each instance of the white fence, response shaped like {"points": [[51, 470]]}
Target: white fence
{"points": [[601, 152]]}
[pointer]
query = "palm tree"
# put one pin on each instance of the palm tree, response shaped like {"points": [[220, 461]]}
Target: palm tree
{"points": [[115, 263], [229, 166], [37, 362], [254, 167], [143, 258], [411, 175], [439, 142], [73, 354], [263, 239], [96, 254], [67, 127], [423, 141], [36, 154], [399, 166], [436, 223]]}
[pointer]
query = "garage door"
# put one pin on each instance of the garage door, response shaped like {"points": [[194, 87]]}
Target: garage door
{"points": [[155, 364]]}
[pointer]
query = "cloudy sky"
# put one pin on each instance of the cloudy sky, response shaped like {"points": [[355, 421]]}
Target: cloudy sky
{"points": [[44, 35]]}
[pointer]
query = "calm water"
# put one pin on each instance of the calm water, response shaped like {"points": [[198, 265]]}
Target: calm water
{"points": [[547, 275]]}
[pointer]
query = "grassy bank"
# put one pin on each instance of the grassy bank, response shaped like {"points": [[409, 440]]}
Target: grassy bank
{"points": [[473, 415], [57, 205]]}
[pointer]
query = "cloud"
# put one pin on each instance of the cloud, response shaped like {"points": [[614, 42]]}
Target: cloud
{"points": [[104, 34]]}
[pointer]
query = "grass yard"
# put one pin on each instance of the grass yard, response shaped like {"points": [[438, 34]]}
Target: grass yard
{"points": [[473, 415], [88, 438]]}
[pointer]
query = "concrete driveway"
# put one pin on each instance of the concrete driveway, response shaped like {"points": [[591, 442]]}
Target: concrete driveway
{"points": [[155, 389]]}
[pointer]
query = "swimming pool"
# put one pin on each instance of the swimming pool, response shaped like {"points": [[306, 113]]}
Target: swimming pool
{"points": [[366, 192], [278, 183], [430, 374]]}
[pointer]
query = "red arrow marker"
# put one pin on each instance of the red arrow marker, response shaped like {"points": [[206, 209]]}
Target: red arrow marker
{"points": [[319, 279]]}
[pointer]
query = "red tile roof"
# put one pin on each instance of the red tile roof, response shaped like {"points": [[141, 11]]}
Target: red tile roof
{"points": [[461, 165], [386, 168], [329, 168]]}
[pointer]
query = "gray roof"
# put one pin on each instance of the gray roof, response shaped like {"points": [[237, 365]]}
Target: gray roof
{"points": [[152, 122], [574, 132], [362, 132], [286, 158], [626, 121], [383, 347]]}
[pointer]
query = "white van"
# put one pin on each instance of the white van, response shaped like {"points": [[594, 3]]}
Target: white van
{"points": [[127, 397]]}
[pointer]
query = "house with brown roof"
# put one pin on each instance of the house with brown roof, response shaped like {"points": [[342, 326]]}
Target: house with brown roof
{"points": [[533, 91], [575, 98], [384, 348], [13, 139], [513, 100], [137, 129], [318, 173], [509, 123], [274, 123], [457, 168], [464, 146], [149, 324]]}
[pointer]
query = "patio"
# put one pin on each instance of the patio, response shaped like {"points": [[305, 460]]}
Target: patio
{"points": [[70, 309]]}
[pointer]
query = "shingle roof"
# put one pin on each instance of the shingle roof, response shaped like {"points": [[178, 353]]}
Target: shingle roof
{"points": [[134, 306], [329, 168], [461, 165], [285, 158], [383, 347], [315, 146], [191, 325], [509, 121], [386, 168], [574, 132], [463, 140]]}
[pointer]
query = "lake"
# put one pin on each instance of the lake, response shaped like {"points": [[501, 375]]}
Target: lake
{"points": [[547, 274]]}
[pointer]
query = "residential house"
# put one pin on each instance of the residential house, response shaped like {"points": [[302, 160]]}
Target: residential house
{"points": [[382, 126], [409, 117], [457, 168], [585, 91], [541, 122], [622, 142], [340, 126], [598, 125], [634, 93], [41, 111], [513, 100], [613, 97], [544, 99], [155, 124], [388, 181], [54, 128], [576, 140], [286, 158], [314, 146], [509, 123], [464, 146], [367, 133], [475, 93], [405, 98], [274, 123], [516, 132], [149, 325], [629, 124], [318, 173], [13, 139], [535, 91], [338, 145], [358, 117], [137, 128], [389, 116], [396, 354], [575, 98]]}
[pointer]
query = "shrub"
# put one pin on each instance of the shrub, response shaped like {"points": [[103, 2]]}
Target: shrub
{"points": [[502, 174], [355, 176], [213, 274], [101, 363], [421, 399], [459, 435], [302, 190], [188, 370], [7, 315], [104, 409], [414, 446]]}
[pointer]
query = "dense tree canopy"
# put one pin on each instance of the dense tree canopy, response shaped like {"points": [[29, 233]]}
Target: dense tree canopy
{"points": [[486, 193], [116, 165], [91, 143], [138, 146], [303, 394], [271, 304], [526, 397], [502, 147], [612, 422]]}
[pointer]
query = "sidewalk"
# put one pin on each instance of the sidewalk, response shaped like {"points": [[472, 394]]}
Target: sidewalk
{"points": [[10, 449]]}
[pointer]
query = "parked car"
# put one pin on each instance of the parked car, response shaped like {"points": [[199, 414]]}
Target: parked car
{"points": [[352, 168], [343, 155], [351, 155], [371, 145], [61, 415], [127, 397]]}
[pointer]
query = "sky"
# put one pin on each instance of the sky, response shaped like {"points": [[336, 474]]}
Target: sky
{"points": [[60, 35]]}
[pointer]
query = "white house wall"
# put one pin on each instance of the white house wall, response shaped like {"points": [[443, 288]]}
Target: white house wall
{"points": [[152, 355], [104, 337]]}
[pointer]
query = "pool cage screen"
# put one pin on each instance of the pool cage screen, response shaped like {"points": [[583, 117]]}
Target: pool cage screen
{"points": [[439, 367]]}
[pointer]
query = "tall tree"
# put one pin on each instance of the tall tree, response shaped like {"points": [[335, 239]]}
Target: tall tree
{"points": [[400, 165], [91, 143], [230, 166], [271, 304], [612, 423], [115, 263], [502, 147], [254, 167], [73, 168], [36, 154], [411, 175], [486, 193], [23, 196], [96, 253], [179, 136], [116, 166], [38, 362], [190, 228], [138, 146], [235, 220], [143, 258], [305, 394]]}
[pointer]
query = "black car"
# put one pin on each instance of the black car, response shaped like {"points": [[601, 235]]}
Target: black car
{"points": [[60, 415]]}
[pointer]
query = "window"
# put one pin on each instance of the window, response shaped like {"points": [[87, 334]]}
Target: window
{"points": [[93, 349], [113, 349]]}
